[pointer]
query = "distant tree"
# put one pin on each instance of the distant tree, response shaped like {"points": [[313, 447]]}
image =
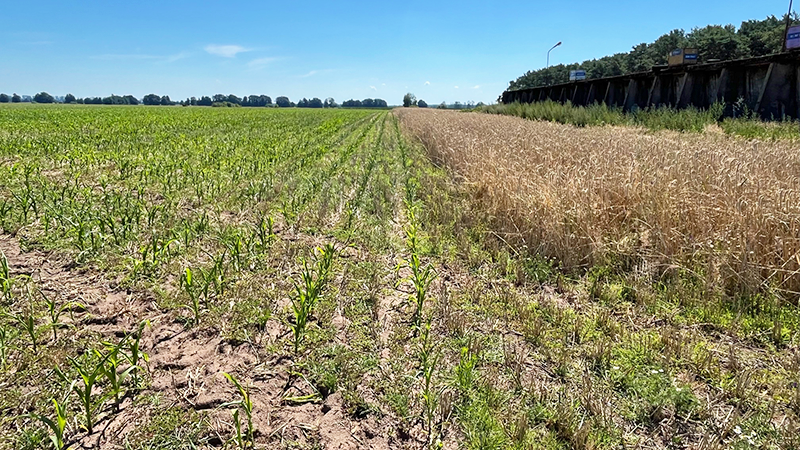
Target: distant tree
{"points": [[193, 101], [409, 100], [380, 103], [219, 98], [315, 103], [234, 99], [330, 103], [256, 100], [283, 102], [351, 104], [166, 101], [16, 98], [69, 98], [205, 101], [43, 97], [151, 99], [368, 103], [4, 98], [131, 100], [79, 101], [421, 103], [442, 105]]}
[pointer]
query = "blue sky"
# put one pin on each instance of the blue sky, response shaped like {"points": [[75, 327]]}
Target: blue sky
{"points": [[439, 50]]}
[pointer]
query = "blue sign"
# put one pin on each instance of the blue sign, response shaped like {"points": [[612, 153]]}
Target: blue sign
{"points": [[690, 56], [677, 52]]}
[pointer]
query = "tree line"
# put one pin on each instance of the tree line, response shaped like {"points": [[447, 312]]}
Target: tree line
{"points": [[229, 100], [723, 42]]}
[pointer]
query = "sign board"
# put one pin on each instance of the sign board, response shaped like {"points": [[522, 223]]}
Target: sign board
{"points": [[575, 75], [793, 37], [681, 56]]}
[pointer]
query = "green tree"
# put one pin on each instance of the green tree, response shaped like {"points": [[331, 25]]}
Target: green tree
{"points": [[4, 98], [16, 98], [422, 104], [69, 98], [43, 97], [409, 99], [718, 42], [283, 102]]}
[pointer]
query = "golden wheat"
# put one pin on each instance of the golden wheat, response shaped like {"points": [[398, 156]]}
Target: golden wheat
{"points": [[725, 208]]}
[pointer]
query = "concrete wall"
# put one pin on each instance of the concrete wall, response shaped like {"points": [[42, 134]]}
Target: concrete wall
{"points": [[768, 85]]}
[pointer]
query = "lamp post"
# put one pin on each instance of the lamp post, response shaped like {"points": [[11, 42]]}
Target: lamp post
{"points": [[788, 21], [548, 60], [548, 53]]}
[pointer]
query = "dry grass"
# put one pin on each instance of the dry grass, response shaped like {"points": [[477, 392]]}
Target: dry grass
{"points": [[723, 208]]}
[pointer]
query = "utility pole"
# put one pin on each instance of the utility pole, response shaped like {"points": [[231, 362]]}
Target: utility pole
{"points": [[548, 60], [551, 49], [788, 21]]}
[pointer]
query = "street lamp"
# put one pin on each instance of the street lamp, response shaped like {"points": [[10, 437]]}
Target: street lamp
{"points": [[786, 30], [548, 61], [548, 53]]}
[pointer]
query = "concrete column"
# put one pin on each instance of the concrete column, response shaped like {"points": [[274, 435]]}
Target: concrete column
{"points": [[776, 98], [685, 91], [654, 96], [630, 96]]}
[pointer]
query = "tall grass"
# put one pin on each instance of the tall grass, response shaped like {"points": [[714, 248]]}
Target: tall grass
{"points": [[663, 118], [725, 210]]}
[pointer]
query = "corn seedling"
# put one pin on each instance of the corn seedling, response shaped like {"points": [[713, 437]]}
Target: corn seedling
{"points": [[89, 372], [265, 232], [28, 324], [429, 359], [307, 292], [421, 276], [111, 370], [135, 354], [54, 312], [58, 425], [243, 404], [5, 278], [187, 282]]}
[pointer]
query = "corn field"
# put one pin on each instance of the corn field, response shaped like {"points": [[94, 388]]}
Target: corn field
{"points": [[277, 278]]}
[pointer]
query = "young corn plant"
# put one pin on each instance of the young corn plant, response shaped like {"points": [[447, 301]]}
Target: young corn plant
{"points": [[246, 405], [187, 283], [54, 312], [57, 426], [90, 372], [421, 275], [265, 232], [5, 278], [429, 360], [307, 292], [111, 370], [135, 353]]}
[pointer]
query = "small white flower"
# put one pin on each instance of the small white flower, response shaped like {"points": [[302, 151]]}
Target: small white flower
{"points": [[616, 367], [678, 389], [737, 430], [660, 370], [653, 371]]}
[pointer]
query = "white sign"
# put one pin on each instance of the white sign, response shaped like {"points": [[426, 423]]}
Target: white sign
{"points": [[575, 75]]}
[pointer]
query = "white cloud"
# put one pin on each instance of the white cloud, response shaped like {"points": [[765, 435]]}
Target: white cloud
{"points": [[477, 86], [456, 87], [310, 74], [383, 84], [261, 62], [373, 88], [427, 83], [226, 51]]}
